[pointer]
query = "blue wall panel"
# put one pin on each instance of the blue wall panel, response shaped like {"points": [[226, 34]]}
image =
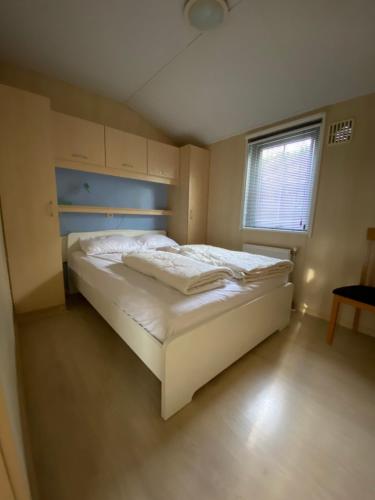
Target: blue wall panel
{"points": [[81, 188]]}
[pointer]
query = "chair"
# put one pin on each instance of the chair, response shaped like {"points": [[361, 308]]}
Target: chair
{"points": [[361, 296]]}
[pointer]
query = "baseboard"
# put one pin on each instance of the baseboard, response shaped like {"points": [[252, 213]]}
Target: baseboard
{"points": [[346, 324]]}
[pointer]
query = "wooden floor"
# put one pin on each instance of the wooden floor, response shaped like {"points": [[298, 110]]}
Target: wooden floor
{"points": [[292, 420]]}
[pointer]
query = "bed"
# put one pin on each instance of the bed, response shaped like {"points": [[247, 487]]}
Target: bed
{"points": [[184, 341]]}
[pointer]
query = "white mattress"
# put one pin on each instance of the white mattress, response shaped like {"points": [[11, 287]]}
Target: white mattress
{"points": [[158, 308]]}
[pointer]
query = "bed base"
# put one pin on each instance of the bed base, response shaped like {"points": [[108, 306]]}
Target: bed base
{"points": [[186, 362]]}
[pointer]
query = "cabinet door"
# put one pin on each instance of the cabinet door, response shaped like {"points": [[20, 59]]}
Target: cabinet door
{"points": [[163, 160], [198, 194], [78, 140], [178, 200], [28, 201], [125, 151]]}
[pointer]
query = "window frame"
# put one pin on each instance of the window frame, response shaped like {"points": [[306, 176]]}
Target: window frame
{"points": [[278, 130]]}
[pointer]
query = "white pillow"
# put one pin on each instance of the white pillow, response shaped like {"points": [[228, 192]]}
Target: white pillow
{"points": [[114, 243], [155, 241]]}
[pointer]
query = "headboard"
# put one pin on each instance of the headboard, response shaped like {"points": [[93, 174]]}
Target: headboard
{"points": [[70, 243]]}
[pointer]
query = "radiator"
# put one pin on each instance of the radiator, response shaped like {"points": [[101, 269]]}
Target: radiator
{"points": [[276, 252]]}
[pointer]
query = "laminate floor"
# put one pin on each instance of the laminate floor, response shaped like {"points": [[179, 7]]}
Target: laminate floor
{"points": [[293, 419]]}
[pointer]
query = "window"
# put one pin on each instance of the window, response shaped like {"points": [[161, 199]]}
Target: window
{"points": [[280, 179]]}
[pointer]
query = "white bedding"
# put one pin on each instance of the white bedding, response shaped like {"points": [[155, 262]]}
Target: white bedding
{"points": [[158, 308], [246, 266], [188, 276]]}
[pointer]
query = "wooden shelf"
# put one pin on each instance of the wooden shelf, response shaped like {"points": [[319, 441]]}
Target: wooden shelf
{"points": [[86, 209], [114, 172]]}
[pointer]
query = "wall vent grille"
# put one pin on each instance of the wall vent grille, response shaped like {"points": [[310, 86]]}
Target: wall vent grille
{"points": [[340, 132]]}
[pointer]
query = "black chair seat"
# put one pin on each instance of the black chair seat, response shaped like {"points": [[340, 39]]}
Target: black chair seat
{"points": [[360, 293]]}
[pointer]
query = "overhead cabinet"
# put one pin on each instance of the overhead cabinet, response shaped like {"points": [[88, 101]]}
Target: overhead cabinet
{"points": [[163, 160], [125, 151], [78, 140], [89, 146]]}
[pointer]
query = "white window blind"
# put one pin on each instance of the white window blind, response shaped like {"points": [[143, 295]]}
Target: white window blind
{"points": [[280, 179]]}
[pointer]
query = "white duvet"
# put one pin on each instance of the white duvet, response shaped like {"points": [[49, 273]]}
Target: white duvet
{"points": [[245, 266], [186, 275]]}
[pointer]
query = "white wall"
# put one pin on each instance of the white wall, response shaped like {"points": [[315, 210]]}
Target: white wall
{"points": [[10, 423], [345, 207]]}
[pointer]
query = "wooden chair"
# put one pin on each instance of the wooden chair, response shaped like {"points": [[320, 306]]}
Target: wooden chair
{"points": [[361, 296]]}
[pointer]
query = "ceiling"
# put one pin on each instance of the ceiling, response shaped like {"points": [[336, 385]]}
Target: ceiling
{"points": [[270, 60]]}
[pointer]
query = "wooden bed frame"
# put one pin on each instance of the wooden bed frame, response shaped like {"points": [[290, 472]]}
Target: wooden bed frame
{"points": [[186, 362]]}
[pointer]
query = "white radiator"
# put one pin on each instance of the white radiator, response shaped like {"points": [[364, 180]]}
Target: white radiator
{"points": [[276, 252]]}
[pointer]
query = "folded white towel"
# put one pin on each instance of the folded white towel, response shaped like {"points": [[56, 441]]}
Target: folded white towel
{"points": [[187, 275], [246, 266]]}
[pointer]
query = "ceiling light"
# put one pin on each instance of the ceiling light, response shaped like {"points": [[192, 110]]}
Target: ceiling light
{"points": [[205, 15]]}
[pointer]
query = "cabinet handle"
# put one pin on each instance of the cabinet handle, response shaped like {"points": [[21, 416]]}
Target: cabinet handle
{"points": [[191, 214], [50, 209], [127, 165], [77, 155]]}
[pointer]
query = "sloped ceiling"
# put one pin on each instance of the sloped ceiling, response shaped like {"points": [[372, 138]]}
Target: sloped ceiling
{"points": [[272, 59]]}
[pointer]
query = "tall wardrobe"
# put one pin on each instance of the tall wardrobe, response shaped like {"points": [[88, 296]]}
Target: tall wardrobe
{"points": [[28, 201], [189, 198]]}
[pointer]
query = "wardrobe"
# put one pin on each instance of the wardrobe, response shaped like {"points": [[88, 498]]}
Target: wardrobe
{"points": [[189, 198], [28, 201]]}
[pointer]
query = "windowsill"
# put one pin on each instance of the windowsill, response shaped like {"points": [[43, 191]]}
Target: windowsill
{"points": [[302, 234]]}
